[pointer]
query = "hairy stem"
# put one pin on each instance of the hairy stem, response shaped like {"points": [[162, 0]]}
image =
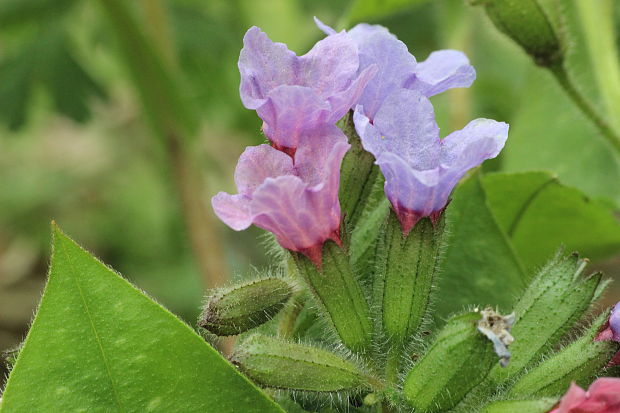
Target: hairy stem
{"points": [[561, 75]]}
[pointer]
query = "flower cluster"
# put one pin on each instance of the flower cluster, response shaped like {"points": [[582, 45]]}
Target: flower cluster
{"points": [[291, 187]]}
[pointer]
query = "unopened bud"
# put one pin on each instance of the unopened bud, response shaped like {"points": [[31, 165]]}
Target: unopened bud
{"points": [[554, 301], [525, 22], [235, 310], [357, 175], [275, 363], [458, 360]]}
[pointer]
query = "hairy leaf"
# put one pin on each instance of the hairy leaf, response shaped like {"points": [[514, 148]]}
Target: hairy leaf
{"points": [[98, 344]]}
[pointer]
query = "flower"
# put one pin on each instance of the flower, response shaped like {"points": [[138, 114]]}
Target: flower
{"points": [[397, 68], [603, 396], [294, 94], [421, 169], [611, 332], [298, 202]]}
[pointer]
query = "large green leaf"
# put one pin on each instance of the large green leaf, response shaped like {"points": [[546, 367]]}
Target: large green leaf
{"points": [[98, 344], [479, 266], [539, 214]]}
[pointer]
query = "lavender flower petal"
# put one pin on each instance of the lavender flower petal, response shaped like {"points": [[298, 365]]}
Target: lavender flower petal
{"points": [[467, 148], [405, 125], [233, 210], [263, 65], [395, 64], [258, 163], [289, 111], [442, 70]]}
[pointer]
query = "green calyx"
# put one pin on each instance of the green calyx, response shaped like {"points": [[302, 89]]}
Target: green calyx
{"points": [[407, 271], [459, 358], [235, 310], [551, 305], [357, 175], [275, 363], [526, 23], [580, 362], [339, 295]]}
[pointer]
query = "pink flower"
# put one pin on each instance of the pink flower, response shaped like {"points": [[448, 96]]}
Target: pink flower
{"points": [[297, 201], [603, 396]]}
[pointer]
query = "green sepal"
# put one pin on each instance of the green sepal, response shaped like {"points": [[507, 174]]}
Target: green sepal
{"points": [[272, 362], [237, 309], [527, 24], [551, 305], [580, 361], [511, 406], [339, 295], [357, 175], [458, 359], [408, 269]]}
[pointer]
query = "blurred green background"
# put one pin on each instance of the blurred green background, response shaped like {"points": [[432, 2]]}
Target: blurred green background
{"points": [[80, 144]]}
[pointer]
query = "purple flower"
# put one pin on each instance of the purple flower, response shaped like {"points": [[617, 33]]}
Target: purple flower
{"points": [[421, 169], [294, 94], [397, 68], [298, 202]]}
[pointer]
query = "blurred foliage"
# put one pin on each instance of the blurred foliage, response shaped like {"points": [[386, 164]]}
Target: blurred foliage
{"points": [[75, 146]]}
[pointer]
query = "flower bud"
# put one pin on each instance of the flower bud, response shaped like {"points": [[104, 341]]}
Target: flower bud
{"points": [[554, 301], [525, 22], [580, 362], [529, 406], [409, 266], [458, 360], [275, 363], [357, 175], [232, 311]]}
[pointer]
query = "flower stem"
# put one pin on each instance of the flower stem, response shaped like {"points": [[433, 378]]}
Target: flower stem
{"points": [[561, 75]]}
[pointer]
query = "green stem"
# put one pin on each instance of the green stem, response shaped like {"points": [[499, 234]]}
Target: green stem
{"points": [[561, 75], [597, 22]]}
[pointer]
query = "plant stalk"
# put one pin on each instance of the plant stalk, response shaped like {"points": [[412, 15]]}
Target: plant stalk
{"points": [[608, 132]]}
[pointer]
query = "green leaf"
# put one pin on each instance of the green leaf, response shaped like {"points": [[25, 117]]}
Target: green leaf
{"points": [[539, 214], [562, 141], [48, 61], [98, 344], [361, 10], [480, 266]]}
